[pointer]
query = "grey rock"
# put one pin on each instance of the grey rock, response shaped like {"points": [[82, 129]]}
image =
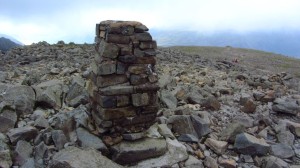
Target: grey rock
{"points": [[176, 152], [133, 136], [194, 98], [182, 124], [77, 93], [250, 145], [286, 137], [22, 97], [89, 158], [164, 80], [246, 158], [211, 103], [132, 152], [49, 94], [3, 145], [200, 125], [59, 139], [210, 162], [22, 152], [8, 117], [244, 120], [41, 122], [26, 133], [88, 140], [193, 162], [29, 163], [3, 76], [55, 71], [230, 131], [187, 138], [69, 121], [5, 159], [286, 106], [282, 151], [244, 98], [274, 162], [168, 99], [104, 69], [218, 147], [258, 95], [165, 131], [40, 150]]}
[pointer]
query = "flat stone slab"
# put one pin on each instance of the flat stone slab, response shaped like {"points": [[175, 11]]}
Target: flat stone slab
{"points": [[132, 152], [73, 157]]}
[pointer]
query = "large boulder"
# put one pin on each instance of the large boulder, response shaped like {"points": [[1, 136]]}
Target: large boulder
{"points": [[286, 106], [22, 152], [73, 157], [5, 153], [132, 152], [182, 124], [22, 97], [88, 140], [282, 151], [26, 133], [168, 99], [77, 93], [50, 94], [230, 131], [8, 117], [176, 152]]}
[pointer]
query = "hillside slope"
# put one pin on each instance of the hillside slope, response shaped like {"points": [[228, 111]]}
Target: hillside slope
{"points": [[280, 42], [248, 58], [7, 44]]}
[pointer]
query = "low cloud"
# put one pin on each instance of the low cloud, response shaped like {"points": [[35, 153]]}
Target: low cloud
{"points": [[32, 21]]}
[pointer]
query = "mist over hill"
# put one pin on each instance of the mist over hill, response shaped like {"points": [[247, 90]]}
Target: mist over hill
{"points": [[6, 44], [280, 42]]}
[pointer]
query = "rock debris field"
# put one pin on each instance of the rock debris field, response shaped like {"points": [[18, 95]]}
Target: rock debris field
{"points": [[211, 114]]}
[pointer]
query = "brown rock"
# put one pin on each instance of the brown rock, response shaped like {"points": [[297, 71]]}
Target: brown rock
{"points": [[138, 79], [119, 39], [117, 90], [115, 113], [104, 81], [249, 106], [146, 60], [218, 147], [199, 154], [142, 36], [148, 45], [140, 99], [228, 163], [138, 69], [123, 100]]}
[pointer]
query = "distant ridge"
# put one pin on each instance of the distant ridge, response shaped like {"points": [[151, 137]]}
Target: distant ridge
{"points": [[6, 44], [280, 42], [11, 38]]}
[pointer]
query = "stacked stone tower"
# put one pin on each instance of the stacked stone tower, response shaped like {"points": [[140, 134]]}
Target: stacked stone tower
{"points": [[124, 96]]}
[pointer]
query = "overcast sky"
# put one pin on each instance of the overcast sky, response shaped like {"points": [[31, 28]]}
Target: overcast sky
{"points": [[32, 21]]}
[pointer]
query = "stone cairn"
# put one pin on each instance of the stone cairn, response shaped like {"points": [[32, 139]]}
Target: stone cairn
{"points": [[124, 82]]}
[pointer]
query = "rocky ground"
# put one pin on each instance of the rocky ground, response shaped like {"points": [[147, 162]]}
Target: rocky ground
{"points": [[214, 113]]}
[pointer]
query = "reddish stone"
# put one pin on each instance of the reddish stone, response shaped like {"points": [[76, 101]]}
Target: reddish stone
{"points": [[116, 113], [116, 38], [108, 80]]}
